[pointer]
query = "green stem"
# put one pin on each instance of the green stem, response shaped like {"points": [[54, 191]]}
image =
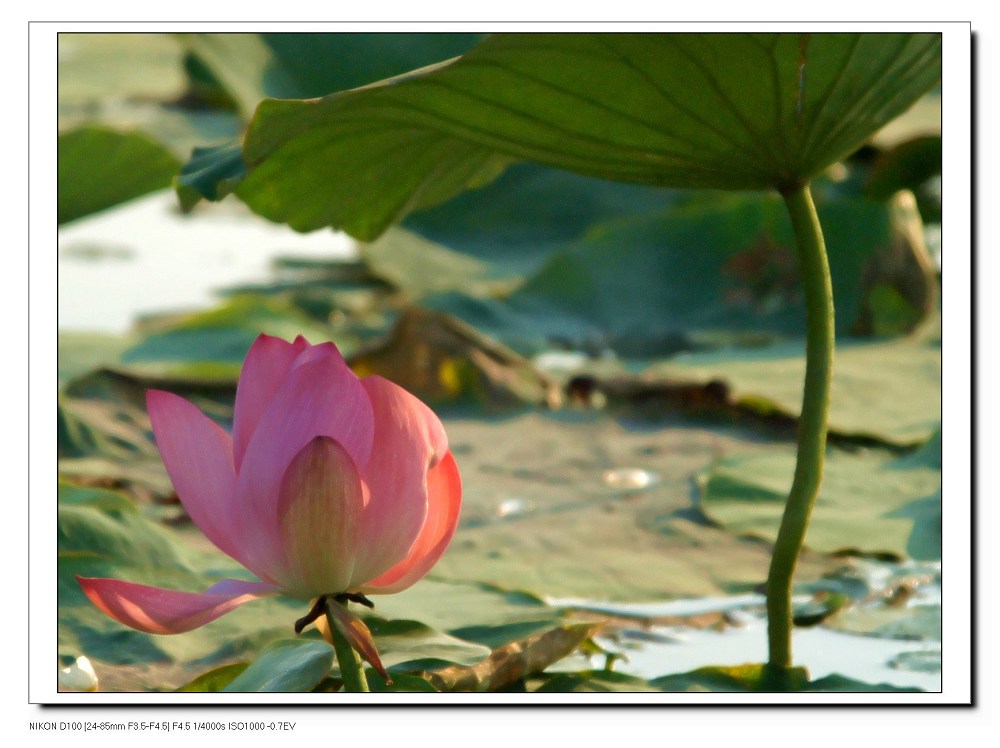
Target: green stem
{"points": [[351, 669], [815, 274]]}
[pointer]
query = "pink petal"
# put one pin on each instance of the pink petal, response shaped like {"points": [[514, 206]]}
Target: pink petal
{"points": [[444, 491], [319, 517], [266, 364], [408, 437], [159, 611], [198, 455], [319, 396]]}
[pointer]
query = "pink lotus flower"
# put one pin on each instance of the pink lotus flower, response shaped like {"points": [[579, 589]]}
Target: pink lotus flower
{"points": [[329, 484]]}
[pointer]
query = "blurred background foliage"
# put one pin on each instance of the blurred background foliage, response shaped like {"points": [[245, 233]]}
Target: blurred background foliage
{"points": [[569, 329]]}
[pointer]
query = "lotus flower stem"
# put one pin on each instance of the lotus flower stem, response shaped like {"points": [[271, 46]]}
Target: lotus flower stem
{"points": [[351, 668], [815, 274]]}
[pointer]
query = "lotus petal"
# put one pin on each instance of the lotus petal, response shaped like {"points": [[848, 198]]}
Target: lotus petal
{"points": [[444, 490], [159, 611], [266, 364], [319, 519], [320, 396], [408, 439], [198, 455]]}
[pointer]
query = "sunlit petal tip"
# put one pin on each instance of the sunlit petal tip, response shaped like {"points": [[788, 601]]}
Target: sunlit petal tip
{"points": [[327, 351], [155, 610], [408, 441]]}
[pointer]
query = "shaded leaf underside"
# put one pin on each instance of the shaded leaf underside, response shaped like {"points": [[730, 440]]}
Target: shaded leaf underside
{"points": [[730, 111]]}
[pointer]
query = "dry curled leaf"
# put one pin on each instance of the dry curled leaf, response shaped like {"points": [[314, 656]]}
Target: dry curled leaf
{"points": [[511, 662]]}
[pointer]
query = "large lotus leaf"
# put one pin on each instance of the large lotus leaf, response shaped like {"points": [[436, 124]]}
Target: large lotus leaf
{"points": [[886, 390], [585, 507], [731, 111], [100, 168], [531, 211], [866, 504]]}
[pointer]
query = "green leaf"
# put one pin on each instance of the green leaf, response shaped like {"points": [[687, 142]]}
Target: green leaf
{"points": [[730, 111], [497, 636], [591, 681], [239, 62], [251, 67], [866, 503], [318, 64], [419, 267], [111, 502], [576, 534], [735, 678], [886, 390], [135, 82], [211, 173], [907, 166], [80, 352], [400, 684], [214, 680], [410, 645], [708, 270], [287, 666], [754, 678], [450, 606], [530, 211], [836, 683], [100, 168]]}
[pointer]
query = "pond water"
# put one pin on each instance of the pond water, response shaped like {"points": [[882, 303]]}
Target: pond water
{"points": [[650, 652], [144, 258]]}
